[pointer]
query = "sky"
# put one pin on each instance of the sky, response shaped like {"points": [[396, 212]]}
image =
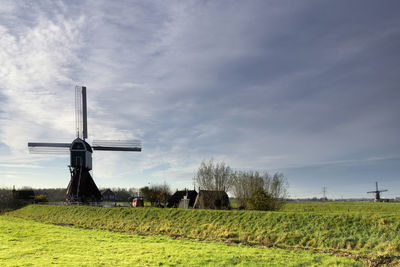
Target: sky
{"points": [[306, 88]]}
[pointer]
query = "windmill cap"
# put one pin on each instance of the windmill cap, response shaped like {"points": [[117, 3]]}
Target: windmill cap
{"points": [[80, 144]]}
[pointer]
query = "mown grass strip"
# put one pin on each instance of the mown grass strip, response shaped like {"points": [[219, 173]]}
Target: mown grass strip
{"points": [[29, 243], [350, 231]]}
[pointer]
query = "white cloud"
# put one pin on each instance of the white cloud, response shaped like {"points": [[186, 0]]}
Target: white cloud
{"points": [[254, 84], [36, 64], [37, 57]]}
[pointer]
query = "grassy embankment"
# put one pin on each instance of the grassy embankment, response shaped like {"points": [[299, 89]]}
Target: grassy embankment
{"points": [[29, 243], [365, 232], [343, 207]]}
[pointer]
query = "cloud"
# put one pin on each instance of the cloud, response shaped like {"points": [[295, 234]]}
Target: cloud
{"points": [[19, 166], [261, 85], [37, 58]]}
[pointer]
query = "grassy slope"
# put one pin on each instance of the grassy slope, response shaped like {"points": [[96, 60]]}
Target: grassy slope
{"points": [[336, 230], [25, 242], [342, 207]]}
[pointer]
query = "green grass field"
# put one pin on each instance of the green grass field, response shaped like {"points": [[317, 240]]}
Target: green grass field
{"points": [[27, 243], [367, 231], [343, 207]]}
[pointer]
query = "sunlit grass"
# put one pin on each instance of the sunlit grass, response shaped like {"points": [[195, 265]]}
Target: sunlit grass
{"points": [[25, 242], [363, 232], [342, 207]]}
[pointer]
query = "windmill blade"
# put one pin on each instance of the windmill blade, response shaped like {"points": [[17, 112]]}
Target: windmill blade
{"points": [[81, 112], [385, 190], [78, 110], [117, 145], [84, 113], [371, 192], [49, 148]]}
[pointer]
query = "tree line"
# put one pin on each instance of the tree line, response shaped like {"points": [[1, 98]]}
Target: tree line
{"points": [[253, 189], [157, 194]]}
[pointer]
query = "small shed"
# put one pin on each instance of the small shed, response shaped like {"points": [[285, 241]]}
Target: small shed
{"points": [[109, 195], [137, 202], [176, 200], [210, 199]]}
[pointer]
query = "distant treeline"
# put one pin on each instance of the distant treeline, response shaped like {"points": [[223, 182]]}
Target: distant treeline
{"points": [[122, 194], [10, 201], [58, 194], [7, 202], [52, 194]]}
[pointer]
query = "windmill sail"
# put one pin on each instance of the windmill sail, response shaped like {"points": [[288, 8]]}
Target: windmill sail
{"points": [[81, 112], [84, 113], [82, 186], [377, 190], [49, 148], [117, 145]]}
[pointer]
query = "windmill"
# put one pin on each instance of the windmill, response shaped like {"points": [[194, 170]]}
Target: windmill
{"points": [[81, 186], [377, 193]]}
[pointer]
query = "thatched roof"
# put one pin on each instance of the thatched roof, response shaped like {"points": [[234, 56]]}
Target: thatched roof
{"points": [[211, 199]]}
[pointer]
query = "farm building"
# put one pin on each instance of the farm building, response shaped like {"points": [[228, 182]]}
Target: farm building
{"points": [[137, 202], [208, 199], [109, 195], [177, 200]]}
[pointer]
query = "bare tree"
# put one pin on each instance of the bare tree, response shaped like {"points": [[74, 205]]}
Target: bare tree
{"points": [[214, 176], [276, 185], [247, 183]]}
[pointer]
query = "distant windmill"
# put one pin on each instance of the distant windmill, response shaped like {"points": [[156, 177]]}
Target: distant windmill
{"points": [[377, 193], [81, 186]]}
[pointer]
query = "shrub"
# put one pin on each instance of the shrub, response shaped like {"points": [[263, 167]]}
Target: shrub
{"points": [[261, 200], [41, 199]]}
